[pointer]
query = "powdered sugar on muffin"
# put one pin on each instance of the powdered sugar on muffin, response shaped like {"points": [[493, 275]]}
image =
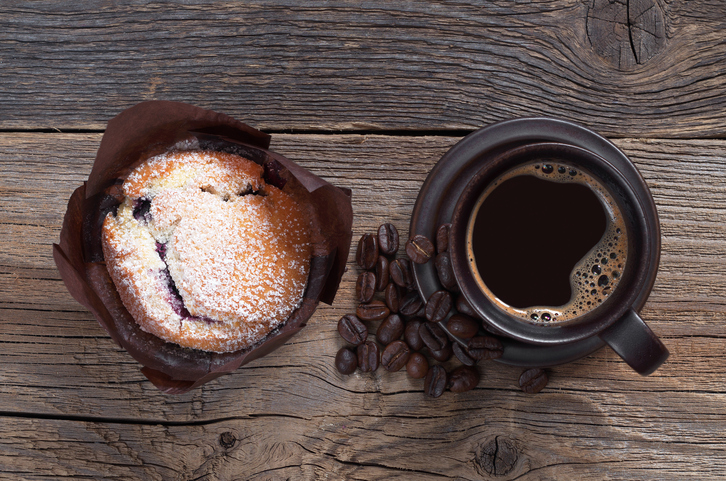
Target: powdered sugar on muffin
{"points": [[204, 253]]}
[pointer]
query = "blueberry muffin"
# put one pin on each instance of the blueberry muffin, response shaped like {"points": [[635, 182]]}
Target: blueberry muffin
{"points": [[204, 253]]}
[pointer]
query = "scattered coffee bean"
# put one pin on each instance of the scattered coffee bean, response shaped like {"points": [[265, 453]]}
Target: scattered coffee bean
{"points": [[395, 356], [368, 356], [393, 297], [367, 252], [445, 272], [433, 336], [410, 304], [388, 239], [419, 249], [463, 306], [400, 271], [417, 366], [382, 273], [483, 348], [463, 378], [442, 238], [372, 311], [533, 380], [462, 355], [391, 329], [462, 326], [436, 381], [411, 333], [365, 286], [394, 277], [346, 361], [438, 306], [352, 330], [444, 354]]}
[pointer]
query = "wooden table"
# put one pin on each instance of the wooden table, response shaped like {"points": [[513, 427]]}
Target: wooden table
{"points": [[368, 95]]}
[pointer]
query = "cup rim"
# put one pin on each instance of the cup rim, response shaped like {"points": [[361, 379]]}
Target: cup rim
{"points": [[641, 272]]}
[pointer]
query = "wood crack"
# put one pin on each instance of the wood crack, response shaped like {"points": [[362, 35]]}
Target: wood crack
{"points": [[139, 421], [630, 31]]}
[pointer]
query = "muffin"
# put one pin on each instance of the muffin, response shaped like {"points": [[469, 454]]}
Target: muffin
{"points": [[196, 247], [204, 253]]}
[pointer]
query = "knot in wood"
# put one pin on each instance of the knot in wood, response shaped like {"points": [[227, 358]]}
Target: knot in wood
{"points": [[627, 33], [227, 440], [497, 457]]}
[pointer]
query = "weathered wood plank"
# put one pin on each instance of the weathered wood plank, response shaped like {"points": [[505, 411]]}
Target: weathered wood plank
{"points": [[74, 404], [31, 287], [551, 436], [639, 68]]}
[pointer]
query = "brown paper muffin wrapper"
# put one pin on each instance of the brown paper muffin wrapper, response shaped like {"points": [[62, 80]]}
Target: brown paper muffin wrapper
{"points": [[154, 127]]}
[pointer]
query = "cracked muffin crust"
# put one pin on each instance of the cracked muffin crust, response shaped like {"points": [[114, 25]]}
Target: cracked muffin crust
{"points": [[204, 253]]}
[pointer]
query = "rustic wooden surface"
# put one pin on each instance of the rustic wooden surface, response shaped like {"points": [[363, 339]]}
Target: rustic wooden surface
{"points": [[369, 96]]}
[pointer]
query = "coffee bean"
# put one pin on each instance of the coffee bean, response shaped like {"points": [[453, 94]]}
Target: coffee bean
{"points": [[433, 336], [442, 238], [463, 378], [444, 354], [461, 354], [400, 271], [436, 381], [372, 311], [462, 326], [445, 271], [482, 348], [346, 361], [438, 306], [393, 297], [463, 306], [388, 239], [365, 286], [367, 252], [411, 304], [395, 356], [419, 249], [382, 273], [417, 366], [533, 380], [352, 330], [368, 356], [411, 333], [390, 329]]}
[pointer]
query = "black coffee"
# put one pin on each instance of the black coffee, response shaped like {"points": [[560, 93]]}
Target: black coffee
{"points": [[547, 241]]}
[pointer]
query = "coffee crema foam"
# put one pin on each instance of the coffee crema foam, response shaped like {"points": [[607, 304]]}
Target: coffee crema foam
{"points": [[595, 276]]}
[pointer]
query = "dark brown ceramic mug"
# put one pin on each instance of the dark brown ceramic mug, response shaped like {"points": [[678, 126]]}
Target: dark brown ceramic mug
{"points": [[611, 314]]}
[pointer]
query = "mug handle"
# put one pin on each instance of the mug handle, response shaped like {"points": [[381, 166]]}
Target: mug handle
{"points": [[632, 339]]}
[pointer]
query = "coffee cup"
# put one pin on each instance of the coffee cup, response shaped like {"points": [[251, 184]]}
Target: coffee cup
{"points": [[552, 244]]}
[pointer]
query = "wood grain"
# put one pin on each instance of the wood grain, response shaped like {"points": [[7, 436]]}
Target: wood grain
{"points": [[631, 68], [74, 405]]}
